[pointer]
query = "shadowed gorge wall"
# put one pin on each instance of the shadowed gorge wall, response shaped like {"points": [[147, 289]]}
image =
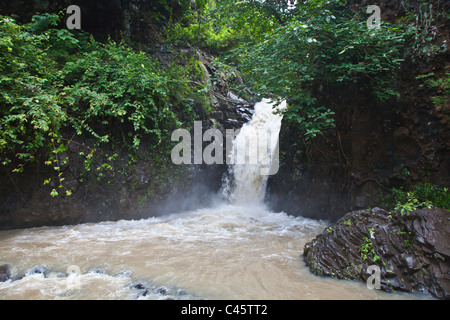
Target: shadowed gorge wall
{"points": [[139, 20]]}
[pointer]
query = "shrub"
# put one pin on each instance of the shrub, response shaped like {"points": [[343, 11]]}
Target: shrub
{"points": [[405, 200], [56, 86]]}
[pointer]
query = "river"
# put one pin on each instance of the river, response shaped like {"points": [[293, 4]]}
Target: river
{"points": [[235, 249]]}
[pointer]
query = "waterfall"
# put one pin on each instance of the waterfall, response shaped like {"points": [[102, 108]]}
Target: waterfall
{"points": [[254, 155]]}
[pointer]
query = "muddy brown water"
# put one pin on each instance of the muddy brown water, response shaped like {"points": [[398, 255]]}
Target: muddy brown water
{"points": [[224, 252]]}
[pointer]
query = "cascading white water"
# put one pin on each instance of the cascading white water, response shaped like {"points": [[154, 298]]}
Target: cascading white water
{"points": [[255, 154]]}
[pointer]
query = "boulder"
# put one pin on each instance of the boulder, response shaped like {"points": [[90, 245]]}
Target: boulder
{"points": [[411, 251], [43, 270], [5, 273]]}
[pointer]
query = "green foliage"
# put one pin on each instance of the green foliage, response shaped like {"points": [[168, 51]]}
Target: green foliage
{"points": [[323, 49], [220, 25], [304, 53], [405, 200], [421, 20], [411, 204], [441, 85], [367, 251], [113, 85], [57, 87], [427, 192], [29, 110], [348, 222]]}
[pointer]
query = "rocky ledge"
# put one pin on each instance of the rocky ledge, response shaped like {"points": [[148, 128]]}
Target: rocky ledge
{"points": [[411, 251]]}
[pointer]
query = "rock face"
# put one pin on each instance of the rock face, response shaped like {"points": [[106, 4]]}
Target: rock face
{"points": [[412, 251]]}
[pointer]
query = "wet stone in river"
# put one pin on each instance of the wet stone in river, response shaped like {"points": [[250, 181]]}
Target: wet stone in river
{"points": [[5, 273]]}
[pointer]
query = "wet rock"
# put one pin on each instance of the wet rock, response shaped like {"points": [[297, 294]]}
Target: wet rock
{"points": [[98, 271], [162, 290], [168, 293], [139, 286], [181, 292], [144, 293], [5, 273], [144, 290], [412, 251], [37, 270]]}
